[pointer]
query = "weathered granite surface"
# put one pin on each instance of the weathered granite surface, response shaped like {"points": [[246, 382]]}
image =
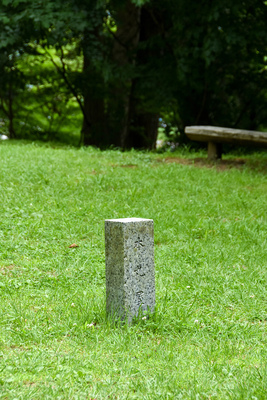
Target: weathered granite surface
{"points": [[130, 271]]}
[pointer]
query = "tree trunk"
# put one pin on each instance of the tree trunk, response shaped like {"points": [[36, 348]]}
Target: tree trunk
{"points": [[94, 122], [94, 129], [149, 122], [126, 41], [143, 130], [12, 134]]}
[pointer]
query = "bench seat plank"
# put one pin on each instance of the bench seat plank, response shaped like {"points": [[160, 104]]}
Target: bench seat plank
{"points": [[225, 135]]}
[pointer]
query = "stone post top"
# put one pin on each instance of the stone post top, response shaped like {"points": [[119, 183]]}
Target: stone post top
{"points": [[128, 220]]}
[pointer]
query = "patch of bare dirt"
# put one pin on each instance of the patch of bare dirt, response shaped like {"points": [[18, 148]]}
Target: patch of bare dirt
{"points": [[29, 383], [124, 165], [129, 166], [220, 165], [7, 269]]}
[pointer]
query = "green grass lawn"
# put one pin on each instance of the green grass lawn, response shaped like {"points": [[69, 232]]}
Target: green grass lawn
{"points": [[207, 338]]}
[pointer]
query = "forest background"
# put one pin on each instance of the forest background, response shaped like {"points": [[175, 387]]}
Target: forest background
{"points": [[107, 73]]}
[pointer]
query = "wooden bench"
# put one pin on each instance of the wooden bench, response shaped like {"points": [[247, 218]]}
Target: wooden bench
{"points": [[215, 136]]}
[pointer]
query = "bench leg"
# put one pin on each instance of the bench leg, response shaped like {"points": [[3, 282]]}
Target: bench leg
{"points": [[214, 151]]}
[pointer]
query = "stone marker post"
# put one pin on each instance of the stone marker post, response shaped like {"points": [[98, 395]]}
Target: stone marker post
{"points": [[130, 271]]}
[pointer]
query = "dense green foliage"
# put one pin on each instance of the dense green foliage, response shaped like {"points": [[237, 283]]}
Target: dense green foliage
{"points": [[207, 339], [110, 68]]}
